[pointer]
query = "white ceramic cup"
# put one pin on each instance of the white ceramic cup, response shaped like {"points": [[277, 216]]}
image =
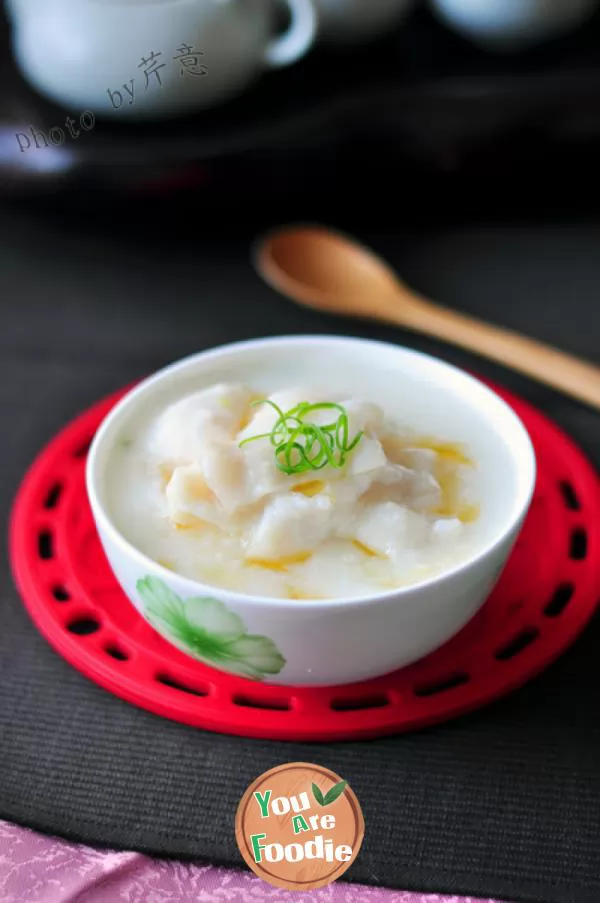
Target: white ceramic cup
{"points": [[334, 641], [512, 24], [87, 54]]}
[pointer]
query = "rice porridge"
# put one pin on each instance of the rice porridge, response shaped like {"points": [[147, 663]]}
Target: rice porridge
{"points": [[299, 495]]}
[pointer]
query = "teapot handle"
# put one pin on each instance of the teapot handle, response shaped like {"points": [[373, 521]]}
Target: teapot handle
{"points": [[298, 39]]}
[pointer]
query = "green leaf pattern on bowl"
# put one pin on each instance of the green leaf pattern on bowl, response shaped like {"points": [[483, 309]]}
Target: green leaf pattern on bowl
{"points": [[205, 628]]}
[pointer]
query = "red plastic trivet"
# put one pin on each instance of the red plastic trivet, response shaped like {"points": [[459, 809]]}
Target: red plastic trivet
{"points": [[545, 598]]}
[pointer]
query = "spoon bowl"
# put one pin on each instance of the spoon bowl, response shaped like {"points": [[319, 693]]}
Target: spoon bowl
{"points": [[325, 270]]}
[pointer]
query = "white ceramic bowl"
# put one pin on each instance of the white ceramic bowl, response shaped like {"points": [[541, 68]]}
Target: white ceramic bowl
{"points": [[507, 25], [334, 641]]}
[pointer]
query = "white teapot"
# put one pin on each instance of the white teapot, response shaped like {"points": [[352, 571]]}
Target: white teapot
{"points": [[152, 58], [512, 24]]}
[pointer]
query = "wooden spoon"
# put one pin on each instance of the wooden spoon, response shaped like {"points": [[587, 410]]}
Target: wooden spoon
{"points": [[324, 270]]}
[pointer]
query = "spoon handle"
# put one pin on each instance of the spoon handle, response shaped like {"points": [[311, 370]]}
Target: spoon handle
{"points": [[548, 365]]}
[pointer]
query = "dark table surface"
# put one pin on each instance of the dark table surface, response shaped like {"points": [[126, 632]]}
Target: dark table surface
{"points": [[503, 803]]}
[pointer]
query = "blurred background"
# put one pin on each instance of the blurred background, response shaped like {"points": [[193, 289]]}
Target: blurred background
{"points": [[399, 109]]}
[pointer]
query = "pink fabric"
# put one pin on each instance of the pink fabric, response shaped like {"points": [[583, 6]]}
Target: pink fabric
{"points": [[39, 869]]}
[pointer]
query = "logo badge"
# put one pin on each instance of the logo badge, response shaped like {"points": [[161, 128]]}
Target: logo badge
{"points": [[299, 826]]}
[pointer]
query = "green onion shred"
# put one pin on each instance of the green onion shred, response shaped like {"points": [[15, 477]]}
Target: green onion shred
{"points": [[301, 446]]}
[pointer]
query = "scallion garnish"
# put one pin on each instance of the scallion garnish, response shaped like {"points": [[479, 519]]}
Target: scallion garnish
{"points": [[301, 446]]}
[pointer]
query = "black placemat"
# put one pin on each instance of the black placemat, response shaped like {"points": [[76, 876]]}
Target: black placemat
{"points": [[504, 803]]}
